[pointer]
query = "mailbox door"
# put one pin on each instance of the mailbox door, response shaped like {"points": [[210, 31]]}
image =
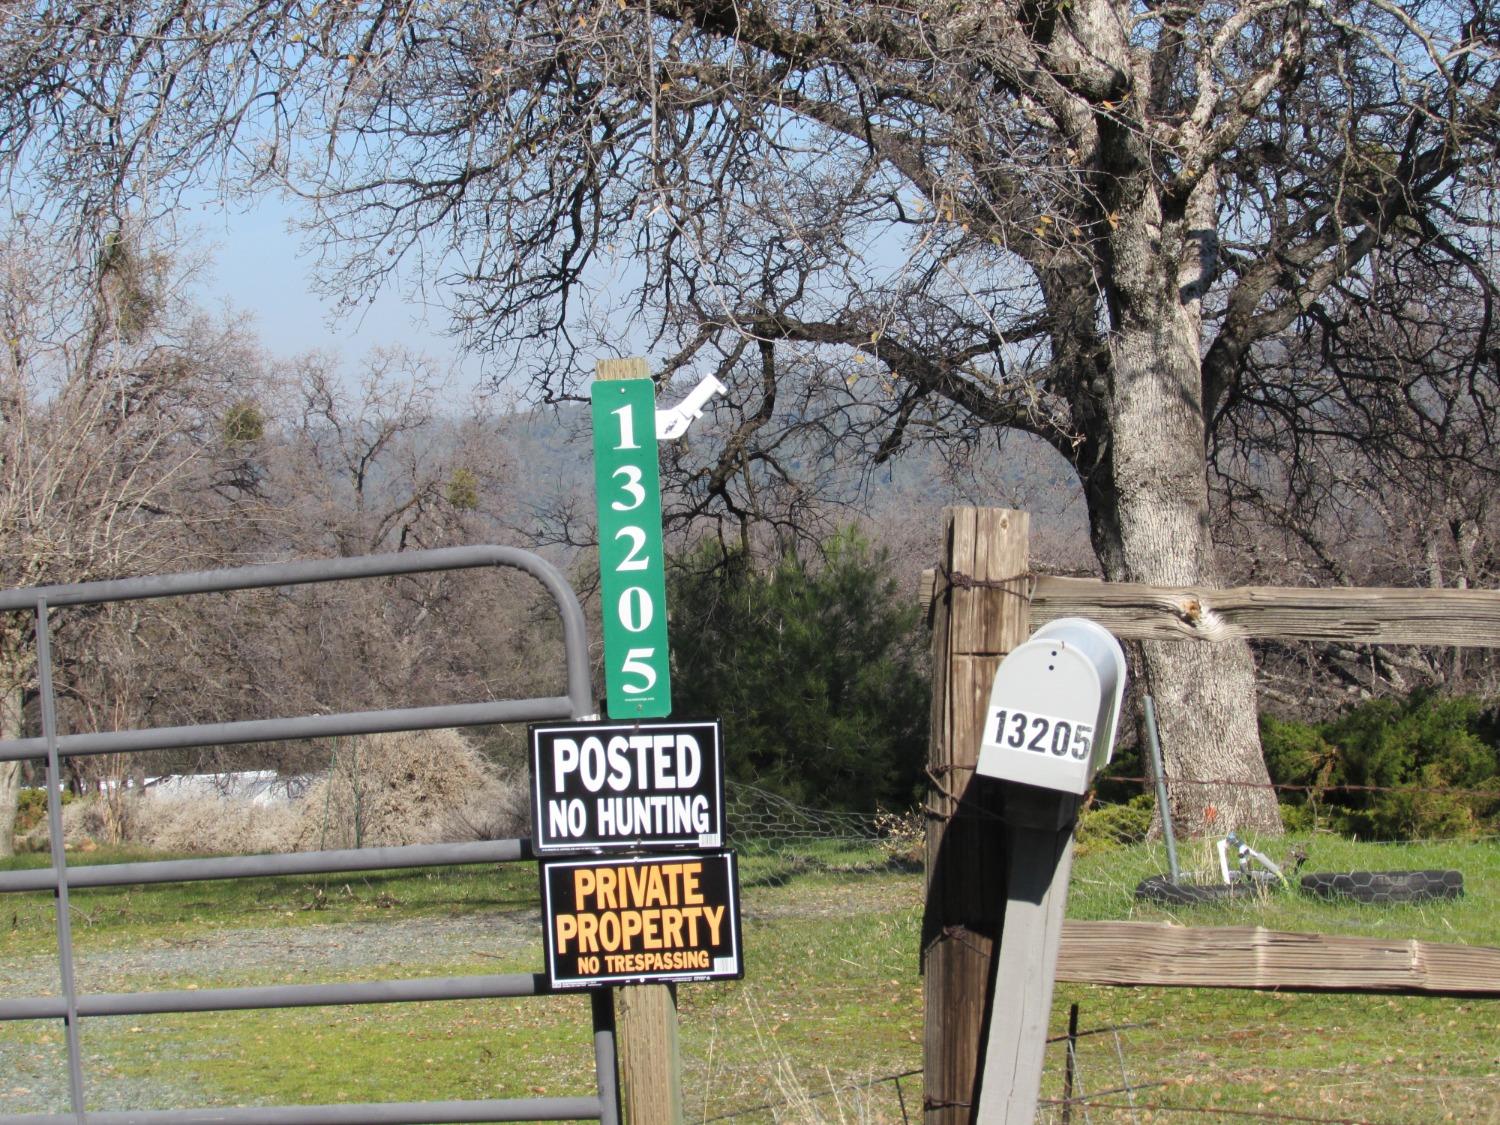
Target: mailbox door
{"points": [[1044, 718]]}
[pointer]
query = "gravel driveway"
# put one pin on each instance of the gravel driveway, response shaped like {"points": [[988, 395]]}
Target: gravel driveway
{"points": [[33, 1074]]}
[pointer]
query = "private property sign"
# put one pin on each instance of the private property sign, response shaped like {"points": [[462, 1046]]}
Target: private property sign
{"points": [[649, 919], [624, 786]]}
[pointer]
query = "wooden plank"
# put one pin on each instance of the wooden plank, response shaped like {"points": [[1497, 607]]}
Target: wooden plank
{"points": [[1152, 953], [975, 621], [650, 1058], [1370, 615]]}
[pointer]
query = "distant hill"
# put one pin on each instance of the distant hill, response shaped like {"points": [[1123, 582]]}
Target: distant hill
{"points": [[899, 504]]}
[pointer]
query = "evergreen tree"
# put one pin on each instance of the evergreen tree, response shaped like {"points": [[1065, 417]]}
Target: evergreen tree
{"points": [[816, 672]]}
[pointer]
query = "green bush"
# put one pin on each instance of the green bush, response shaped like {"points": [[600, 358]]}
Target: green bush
{"points": [[817, 672], [31, 810], [1424, 766], [1116, 825], [1301, 819]]}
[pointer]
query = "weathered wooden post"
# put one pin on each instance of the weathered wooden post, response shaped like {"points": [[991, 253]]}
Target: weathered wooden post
{"points": [[979, 613], [650, 1060]]}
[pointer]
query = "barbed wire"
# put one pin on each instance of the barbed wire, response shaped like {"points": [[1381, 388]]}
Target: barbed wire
{"points": [[936, 772], [957, 579], [1290, 787], [868, 1084], [1215, 1111], [1098, 1099], [764, 821]]}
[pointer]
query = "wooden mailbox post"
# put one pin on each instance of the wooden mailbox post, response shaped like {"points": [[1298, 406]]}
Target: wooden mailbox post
{"points": [[979, 614], [999, 839]]}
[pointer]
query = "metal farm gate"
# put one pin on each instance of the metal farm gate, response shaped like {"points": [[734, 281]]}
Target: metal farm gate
{"points": [[53, 746]]}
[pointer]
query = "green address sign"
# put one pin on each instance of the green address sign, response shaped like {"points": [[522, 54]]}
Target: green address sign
{"points": [[627, 487]]}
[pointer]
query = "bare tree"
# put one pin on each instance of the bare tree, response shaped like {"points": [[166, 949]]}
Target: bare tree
{"points": [[1361, 451], [1085, 220], [354, 459], [113, 401], [368, 461], [377, 460]]}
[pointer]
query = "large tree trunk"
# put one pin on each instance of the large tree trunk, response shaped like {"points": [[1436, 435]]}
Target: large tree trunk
{"points": [[1149, 507], [10, 772], [1153, 530]]}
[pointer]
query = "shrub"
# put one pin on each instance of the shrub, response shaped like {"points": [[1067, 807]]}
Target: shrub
{"points": [[1424, 766], [902, 838], [31, 809], [817, 672], [1300, 819], [408, 787], [1116, 825], [213, 825]]}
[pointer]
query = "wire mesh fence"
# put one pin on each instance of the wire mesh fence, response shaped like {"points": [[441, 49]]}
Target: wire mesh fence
{"points": [[765, 821]]}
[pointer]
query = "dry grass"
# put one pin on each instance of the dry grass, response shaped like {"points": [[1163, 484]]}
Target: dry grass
{"points": [[407, 787], [210, 824]]}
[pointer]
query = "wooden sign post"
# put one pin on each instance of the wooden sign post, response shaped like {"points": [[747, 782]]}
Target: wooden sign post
{"points": [[637, 672]]}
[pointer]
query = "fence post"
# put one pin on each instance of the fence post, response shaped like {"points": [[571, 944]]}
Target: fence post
{"points": [[650, 1062], [979, 613]]}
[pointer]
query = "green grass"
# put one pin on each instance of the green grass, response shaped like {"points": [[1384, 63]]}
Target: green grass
{"points": [[831, 1004], [411, 1052], [110, 917], [1104, 880]]}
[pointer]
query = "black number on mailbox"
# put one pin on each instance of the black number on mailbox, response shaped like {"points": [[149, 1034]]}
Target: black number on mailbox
{"points": [[1062, 735], [1039, 725], [1018, 732]]}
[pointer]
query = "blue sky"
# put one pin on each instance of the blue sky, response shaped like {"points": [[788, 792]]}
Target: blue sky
{"points": [[255, 266]]}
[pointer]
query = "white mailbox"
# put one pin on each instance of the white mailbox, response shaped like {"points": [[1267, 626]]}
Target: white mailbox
{"points": [[1054, 707]]}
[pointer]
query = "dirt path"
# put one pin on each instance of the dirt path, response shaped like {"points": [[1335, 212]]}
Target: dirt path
{"points": [[33, 1074], [33, 1063]]}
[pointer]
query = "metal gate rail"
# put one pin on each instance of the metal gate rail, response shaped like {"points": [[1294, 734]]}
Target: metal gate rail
{"points": [[53, 746]]}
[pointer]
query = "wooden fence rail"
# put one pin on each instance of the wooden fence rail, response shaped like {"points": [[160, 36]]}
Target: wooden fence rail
{"points": [[1152, 953], [1364, 615], [1368, 615]]}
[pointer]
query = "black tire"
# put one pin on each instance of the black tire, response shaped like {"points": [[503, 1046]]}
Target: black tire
{"points": [[1160, 888], [1384, 886]]}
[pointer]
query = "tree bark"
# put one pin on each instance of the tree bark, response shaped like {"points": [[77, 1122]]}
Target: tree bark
{"points": [[10, 772], [1149, 507]]}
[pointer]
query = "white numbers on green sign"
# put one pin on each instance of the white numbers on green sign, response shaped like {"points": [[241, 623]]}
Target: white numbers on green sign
{"points": [[630, 549], [626, 415], [633, 559], [632, 487], [635, 609], [637, 664]]}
